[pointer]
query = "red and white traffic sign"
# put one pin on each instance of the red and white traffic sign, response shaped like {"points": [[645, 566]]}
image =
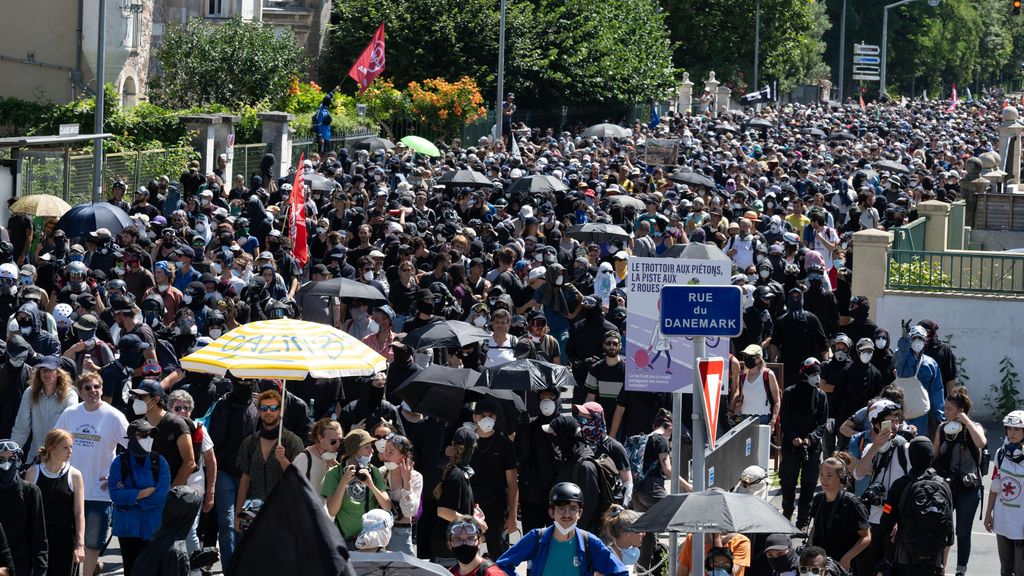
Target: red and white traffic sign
{"points": [[712, 371]]}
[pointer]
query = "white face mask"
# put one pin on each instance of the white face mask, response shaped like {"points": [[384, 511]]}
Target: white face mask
{"points": [[565, 531], [186, 299], [842, 355], [865, 357], [917, 345], [548, 407], [391, 466], [486, 425], [380, 444], [881, 343], [764, 273], [362, 460], [480, 321], [217, 269], [146, 444], [368, 276], [321, 230], [6, 465], [26, 330], [215, 333], [328, 456], [814, 379], [139, 407], [163, 287], [559, 281]]}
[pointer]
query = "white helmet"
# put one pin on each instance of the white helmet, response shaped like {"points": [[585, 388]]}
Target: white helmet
{"points": [[754, 480], [8, 271], [1014, 419], [62, 314]]}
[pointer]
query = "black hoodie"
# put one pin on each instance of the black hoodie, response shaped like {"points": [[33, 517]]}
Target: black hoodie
{"points": [[166, 553]]}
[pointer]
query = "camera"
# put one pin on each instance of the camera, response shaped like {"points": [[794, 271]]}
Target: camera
{"points": [[362, 473], [873, 495]]}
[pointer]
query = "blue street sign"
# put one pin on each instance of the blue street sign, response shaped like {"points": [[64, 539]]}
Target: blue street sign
{"points": [[701, 310], [867, 60]]}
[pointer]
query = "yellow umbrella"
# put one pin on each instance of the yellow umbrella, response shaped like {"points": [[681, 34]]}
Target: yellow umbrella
{"points": [[287, 350], [41, 205]]}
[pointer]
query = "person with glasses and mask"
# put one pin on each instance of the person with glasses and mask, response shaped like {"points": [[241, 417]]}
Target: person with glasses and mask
{"points": [[465, 535], [563, 548], [265, 455], [204, 479], [139, 482], [316, 460], [173, 440], [815, 562]]}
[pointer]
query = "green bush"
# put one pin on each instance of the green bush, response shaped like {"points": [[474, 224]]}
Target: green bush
{"points": [[1004, 396], [918, 274]]}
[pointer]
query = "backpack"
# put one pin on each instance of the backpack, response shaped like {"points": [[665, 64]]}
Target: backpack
{"points": [[481, 570], [926, 517], [609, 484], [636, 446]]}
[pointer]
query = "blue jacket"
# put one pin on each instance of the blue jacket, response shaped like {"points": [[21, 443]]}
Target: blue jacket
{"points": [[929, 375], [533, 548], [133, 517]]}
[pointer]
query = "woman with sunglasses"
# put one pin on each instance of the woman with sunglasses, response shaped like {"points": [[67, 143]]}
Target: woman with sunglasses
{"points": [[316, 460], [203, 480], [405, 487], [464, 538]]}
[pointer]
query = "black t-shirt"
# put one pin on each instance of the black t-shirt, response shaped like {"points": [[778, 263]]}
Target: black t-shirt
{"points": [[654, 481], [836, 523], [641, 408], [17, 229], [456, 494], [165, 443], [615, 450], [491, 459]]}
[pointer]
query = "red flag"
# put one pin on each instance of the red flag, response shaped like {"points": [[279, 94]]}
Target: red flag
{"points": [[371, 62], [953, 100], [863, 107], [297, 218]]}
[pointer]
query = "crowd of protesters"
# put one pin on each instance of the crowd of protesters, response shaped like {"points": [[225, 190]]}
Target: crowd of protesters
{"points": [[108, 434]]}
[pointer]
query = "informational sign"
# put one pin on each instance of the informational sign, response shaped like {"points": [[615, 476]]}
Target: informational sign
{"points": [[866, 62], [712, 371], [702, 310], [661, 152], [68, 130], [656, 362]]}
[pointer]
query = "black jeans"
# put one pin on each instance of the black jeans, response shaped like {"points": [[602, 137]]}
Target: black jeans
{"points": [[535, 515], [792, 467], [494, 514], [130, 550], [1011, 556]]}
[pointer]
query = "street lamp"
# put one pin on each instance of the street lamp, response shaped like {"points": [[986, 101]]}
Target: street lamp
{"points": [[842, 52], [97, 146], [885, 36], [757, 43], [501, 75]]}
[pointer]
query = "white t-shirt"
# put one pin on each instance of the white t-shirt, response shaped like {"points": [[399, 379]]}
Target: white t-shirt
{"points": [[498, 354], [1008, 514], [97, 435], [830, 234], [316, 465]]}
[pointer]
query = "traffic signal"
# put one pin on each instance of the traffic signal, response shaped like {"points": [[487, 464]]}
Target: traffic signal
{"points": [[1016, 7]]}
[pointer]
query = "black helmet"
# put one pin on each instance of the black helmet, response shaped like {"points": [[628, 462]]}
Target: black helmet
{"points": [[565, 492]]}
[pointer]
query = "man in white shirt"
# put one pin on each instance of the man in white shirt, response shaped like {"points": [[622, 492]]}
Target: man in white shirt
{"points": [[97, 428]]}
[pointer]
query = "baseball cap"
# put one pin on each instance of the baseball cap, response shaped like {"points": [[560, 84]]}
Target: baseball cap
{"points": [[588, 409], [753, 350], [132, 342], [150, 387], [186, 251], [49, 362], [86, 323]]}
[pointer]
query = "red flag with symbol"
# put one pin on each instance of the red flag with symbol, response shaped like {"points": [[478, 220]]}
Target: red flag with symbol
{"points": [[297, 217], [712, 373], [371, 62], [953, 100]]}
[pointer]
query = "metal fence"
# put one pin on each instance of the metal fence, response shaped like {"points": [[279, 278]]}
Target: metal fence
{"points": [[307, 146], [909, 237], [247, 160], [953, 271]]}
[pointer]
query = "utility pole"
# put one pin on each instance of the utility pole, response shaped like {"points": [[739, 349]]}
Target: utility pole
{"points": [[842, 52], [97, 146], [757, 44], [498, 117]]}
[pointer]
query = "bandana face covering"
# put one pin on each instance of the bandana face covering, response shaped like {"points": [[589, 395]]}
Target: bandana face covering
{"points": [[593, 429]]}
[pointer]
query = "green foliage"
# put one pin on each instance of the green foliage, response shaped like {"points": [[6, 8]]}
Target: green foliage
{"points": [[918, 275], [16, 113], [236, 62], [1004, 396], [566, 51], [718, 35], [961, 362]]}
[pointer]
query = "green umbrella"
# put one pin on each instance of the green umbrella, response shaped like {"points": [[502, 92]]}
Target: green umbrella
{"points": [[421, 145]]}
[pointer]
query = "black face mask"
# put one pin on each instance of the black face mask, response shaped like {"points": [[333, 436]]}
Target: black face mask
{"points": [[750, 362], [786, 563], [269, 433], [241, 393], [795, 304], [425, 307], [465, 553], [8, 477], [859, 313]]}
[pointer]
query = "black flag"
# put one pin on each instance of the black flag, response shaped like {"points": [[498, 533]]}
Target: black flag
{"points": [[292, 534], [767, 94]]}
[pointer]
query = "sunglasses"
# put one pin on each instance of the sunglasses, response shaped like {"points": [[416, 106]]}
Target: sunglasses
{"points": [[273, 408], [92, 388], [813, 570], [151, 433], [334, 441], [182, 409]]}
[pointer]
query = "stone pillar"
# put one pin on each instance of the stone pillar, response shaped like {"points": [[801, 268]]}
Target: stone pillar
{"points": [[724, 93], [711, 85], [972, 185], [684, 96], [224, 143], [203, 128], [871, 254], [937, 225], [1010, 141], [277, 135], [990, 163], [824, 90]]}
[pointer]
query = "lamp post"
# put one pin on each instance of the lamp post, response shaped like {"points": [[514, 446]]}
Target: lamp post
{"points": [[97, 146], [885, 36], [498, 119], [757, 44], [842, 52]]}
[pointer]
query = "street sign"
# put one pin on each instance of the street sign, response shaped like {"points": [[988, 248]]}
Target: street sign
{"points": [[870, 60], [701, 310], [867, 77], [712, 372], [67, 130], [870, 49]]}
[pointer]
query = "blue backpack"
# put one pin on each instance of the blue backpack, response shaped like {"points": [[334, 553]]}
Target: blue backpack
{"points": [[635, 446]]}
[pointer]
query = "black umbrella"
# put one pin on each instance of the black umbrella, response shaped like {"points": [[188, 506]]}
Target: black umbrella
{"points": [[759, 123], [537, 184], [393, 564], [373, 143], [526, 374], [891, 166], [445, 334], [607, 131], [627, 201], [464, 179], [437, 390], [726, 128], [714, 510], [692, 179], [843, 135], [597, 232], [816, 132], [345, 288], [88, 217]]}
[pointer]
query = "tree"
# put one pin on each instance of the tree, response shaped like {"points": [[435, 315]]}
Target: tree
{"points": [[234, 63], [557, 51]]}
